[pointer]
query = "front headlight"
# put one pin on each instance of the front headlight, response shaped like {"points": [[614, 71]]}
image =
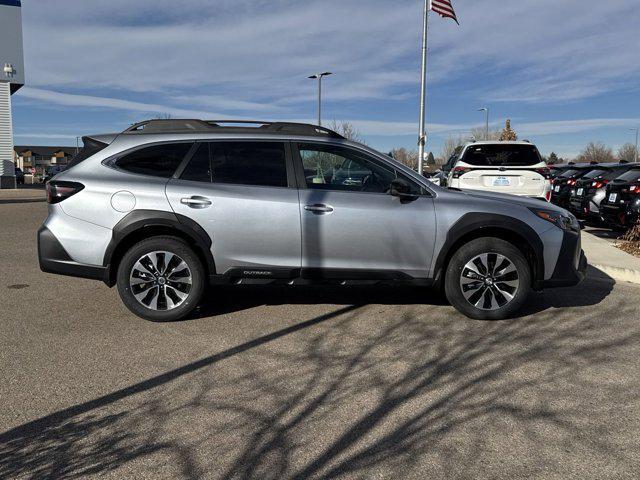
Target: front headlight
{"points": [[564, 221]]}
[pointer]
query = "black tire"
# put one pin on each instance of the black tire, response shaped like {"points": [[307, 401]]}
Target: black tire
{"points": [[175, 307], [498, 291]]}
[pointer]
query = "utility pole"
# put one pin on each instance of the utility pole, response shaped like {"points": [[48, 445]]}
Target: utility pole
{"points": [[486, 123], [422, 136], [319, 76], [635, 153]]}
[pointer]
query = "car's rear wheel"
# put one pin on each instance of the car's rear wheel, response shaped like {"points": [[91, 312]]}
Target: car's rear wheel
{"points": [[488, 279], [161, 279]]}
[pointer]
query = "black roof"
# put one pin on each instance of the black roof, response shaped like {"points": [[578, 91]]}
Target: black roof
{"points": [[43, 150], [229, 126]]}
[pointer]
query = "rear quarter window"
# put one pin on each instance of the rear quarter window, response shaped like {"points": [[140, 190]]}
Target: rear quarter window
{"points": [[157, 160], [502, 155]]}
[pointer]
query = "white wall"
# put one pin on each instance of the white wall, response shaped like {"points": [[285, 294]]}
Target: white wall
{"points": [[6, 132]]}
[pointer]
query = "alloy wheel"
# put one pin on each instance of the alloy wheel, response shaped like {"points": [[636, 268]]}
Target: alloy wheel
{"points": [[489, 281], [160, 280]]}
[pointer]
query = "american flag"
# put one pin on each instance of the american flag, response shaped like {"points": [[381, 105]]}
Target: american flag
{"points": [[444, 8]]}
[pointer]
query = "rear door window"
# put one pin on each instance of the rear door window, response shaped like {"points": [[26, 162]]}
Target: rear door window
{"points": [[199, 167], [502, 155], [240, 163], [249, 163], [157, 160]]}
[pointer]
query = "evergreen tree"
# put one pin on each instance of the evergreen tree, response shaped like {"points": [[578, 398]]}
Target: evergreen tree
{"points": [[508, 134]]}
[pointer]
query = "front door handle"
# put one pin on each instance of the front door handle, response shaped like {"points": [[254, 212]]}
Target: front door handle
{"points": [[196, 202], [318, 208]]}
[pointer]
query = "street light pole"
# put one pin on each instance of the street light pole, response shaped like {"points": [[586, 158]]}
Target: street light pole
{"points": [[486, 123], [77, 145], [635, 153], [422, 138], [319, 76]]}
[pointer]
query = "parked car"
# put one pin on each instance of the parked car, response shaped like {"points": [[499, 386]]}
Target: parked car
{"points": [[169, 206], [620, 207], [506, 167], [563, 183], [556, 170], [588, 192], [19, 176], [438, 177], [52, 171]]}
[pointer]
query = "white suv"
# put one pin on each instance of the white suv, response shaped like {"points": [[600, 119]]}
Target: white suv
{"points": [[507, 167]]}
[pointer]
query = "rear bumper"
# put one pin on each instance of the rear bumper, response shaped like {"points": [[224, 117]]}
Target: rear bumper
{"points": [[53, 258], [571, 266], [620, 215]]}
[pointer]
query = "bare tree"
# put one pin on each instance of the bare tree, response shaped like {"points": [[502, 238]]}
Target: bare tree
{"points": [[451, 144], [406, 157], [627, 153], [347, 130], [479, 134], [596, 152]]}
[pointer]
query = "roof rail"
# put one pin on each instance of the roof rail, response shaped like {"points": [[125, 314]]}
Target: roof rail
{"points": [[229, 126], [169, 126]]}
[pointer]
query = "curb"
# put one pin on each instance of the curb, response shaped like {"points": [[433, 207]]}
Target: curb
{"points": [[21, 200], [620, 274]]}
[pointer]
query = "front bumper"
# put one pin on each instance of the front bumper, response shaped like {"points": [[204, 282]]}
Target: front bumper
{"points": [[571, 267], [53, 258]]}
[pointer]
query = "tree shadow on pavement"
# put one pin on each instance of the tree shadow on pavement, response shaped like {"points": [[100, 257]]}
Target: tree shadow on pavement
{"points": [[344, 396]]}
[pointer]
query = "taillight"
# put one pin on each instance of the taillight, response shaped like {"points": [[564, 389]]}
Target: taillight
{"points": [[634, 189], [545, 172], [59, 191], [548, 196], [571, 182], [459, 171]]}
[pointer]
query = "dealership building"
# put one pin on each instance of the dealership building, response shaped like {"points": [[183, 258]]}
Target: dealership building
{"points": [[11, 79]]}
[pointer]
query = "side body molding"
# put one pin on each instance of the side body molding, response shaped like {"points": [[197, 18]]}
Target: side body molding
{"points": [[141, 224]]}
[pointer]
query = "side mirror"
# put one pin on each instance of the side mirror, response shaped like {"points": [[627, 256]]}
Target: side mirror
{"points": [[400, 188]]}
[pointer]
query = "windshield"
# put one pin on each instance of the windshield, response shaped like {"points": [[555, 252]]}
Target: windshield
{"points": [[614, 173], [569, 173], [507, 155], [595, 173], [630, 176]]}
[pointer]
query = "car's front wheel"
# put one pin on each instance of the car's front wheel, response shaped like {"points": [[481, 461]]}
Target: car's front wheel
{"points": [[488, 279], [161, 279]]}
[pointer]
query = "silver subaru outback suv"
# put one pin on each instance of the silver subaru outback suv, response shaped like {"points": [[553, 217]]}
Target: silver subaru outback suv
{"points": [[168, 209]]}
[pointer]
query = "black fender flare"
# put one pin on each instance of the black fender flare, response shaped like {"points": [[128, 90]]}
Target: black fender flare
{"points": [[475, 225], [138, 220]]}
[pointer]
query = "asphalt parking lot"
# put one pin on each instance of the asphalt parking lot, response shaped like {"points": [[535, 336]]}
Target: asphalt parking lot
{"points": [[312, 382]]}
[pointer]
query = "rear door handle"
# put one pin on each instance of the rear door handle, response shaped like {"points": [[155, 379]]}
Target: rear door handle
{"points": [[318, 208], [196, 202]]}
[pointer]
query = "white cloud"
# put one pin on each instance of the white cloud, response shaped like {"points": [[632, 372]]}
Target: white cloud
{"points": [[257, 51], [91, 101]]}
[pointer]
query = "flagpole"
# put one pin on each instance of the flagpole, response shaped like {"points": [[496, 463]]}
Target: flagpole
{"points": [[422, 138]]}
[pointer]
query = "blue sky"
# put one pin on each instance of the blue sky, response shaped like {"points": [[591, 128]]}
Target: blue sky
{"points": [[566, 73]]}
